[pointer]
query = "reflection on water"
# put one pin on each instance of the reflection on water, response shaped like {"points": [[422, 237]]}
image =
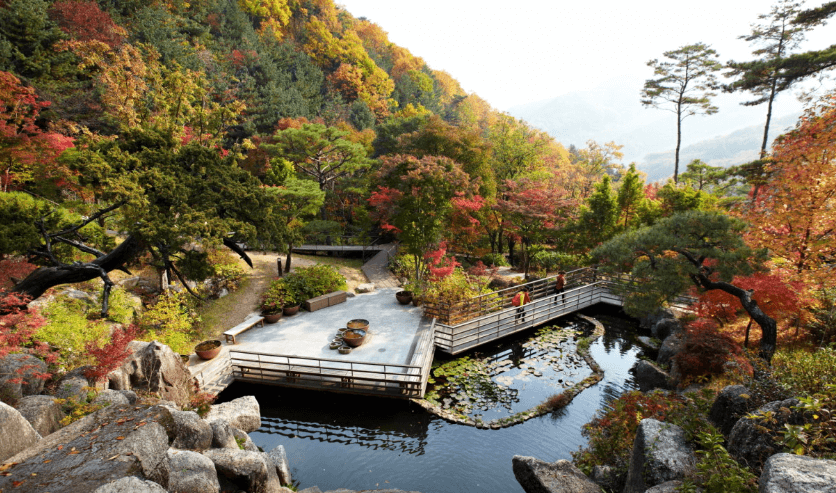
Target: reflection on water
{"points": [[337, 441]]}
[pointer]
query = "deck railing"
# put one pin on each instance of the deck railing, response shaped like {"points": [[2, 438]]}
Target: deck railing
{"points": [[456, 312], [329, 374], [457, 338]]}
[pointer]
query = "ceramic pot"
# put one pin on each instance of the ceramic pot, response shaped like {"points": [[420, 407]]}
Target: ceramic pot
{"points": [[208, 349], [271, 318], [290, 310], [354, 337], [404, 297]]}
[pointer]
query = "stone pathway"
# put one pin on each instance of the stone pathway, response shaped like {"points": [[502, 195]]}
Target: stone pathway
{"points": [[377, 268]]}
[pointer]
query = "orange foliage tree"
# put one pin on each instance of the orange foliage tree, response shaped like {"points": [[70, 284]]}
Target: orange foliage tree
{"points": [[795, 213]]}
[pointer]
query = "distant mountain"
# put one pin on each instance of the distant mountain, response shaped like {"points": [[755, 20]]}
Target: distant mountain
{"points": [[612, 111], [738, 147]]}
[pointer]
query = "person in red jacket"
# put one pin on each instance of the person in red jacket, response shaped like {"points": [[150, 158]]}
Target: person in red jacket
{"points": [[560, 286], [520, 300]]}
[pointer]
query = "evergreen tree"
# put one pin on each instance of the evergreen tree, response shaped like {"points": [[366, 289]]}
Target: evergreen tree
{"points": [[599, 216], [630, 195], [777, 39], [684, 86]]}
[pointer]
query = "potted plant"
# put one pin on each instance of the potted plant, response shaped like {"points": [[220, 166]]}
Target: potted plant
{"points": [[292, 303], [208, 349], [273, 301]]}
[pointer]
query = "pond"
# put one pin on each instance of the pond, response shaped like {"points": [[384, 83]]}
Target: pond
{"points": [[336, 441]]}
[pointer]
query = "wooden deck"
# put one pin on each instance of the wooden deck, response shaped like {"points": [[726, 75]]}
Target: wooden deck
{"points": [[339, 375]]}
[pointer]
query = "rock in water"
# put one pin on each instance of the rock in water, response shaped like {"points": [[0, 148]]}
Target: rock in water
{"points": [[243, 413], [536, 476], [660, 454]]}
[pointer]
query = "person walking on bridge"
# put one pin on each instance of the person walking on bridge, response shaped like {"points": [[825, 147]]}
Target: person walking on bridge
{"points": [[519, 301], [560, 286]]}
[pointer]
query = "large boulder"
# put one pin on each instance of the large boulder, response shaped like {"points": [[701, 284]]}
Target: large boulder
{"points": [[155, 368], [660, 454], [785, 473], [191, 472], [111, 397], [74, 385], [666, 487], [650, 376], [731, 403], [665, 327], [536, 476], [604, 476], [244, 440], [42, 412], [246, 470], [752, 439], [130, 484], [671, 345], [16, 433], [648, 321], [191, 432], [222, 436], [118, 379], [110, 444], [243, 413], [21, 375], [279, 458]]}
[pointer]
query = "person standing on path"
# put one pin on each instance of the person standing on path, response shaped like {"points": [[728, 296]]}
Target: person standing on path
{"points": [[560, 286], [519, 301]]}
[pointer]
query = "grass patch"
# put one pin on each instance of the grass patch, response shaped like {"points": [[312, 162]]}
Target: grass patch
{"points": [[214, 312]]}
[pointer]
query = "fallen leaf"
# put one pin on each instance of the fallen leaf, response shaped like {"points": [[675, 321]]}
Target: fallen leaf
{"points": [[5, 473], [7, 466], [120, 438], [34, 474], [60, 447], [17, 483], [47, 461], [74, 452], [115, 456]]}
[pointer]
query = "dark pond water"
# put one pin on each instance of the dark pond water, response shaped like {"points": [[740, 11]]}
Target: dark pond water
{"points": [[335, 441]]}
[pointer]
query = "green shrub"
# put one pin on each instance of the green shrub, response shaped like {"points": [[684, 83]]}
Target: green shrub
{"points": [[458, 286], [717, 472], [277, 296], [171, 321], [817, 436], [806, 371], [496, 259], [316, 280], [226, 269], [119, 309], [69, 330], [552, 261]]}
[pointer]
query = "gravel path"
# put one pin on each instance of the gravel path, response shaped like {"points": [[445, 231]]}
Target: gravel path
{"points": [[245, 301]]}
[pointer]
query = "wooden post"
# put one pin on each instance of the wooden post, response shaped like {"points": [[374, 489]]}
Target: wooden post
{"points": [[279, 265]]}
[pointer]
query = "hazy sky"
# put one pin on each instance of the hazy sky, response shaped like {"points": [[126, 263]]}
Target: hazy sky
{"points": [[511, 53]]}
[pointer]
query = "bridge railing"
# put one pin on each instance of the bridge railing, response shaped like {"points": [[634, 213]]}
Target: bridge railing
{"points": [[456, 312]]}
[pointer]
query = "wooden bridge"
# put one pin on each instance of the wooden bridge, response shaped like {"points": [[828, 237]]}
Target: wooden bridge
{"points": [[342, 245], [467, 324], [456, 327]]}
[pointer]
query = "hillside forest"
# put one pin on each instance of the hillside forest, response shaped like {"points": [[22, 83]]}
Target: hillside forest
{"points": [[166, 136]]}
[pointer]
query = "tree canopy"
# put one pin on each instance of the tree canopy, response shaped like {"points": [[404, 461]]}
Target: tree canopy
{"points": [[693, 249]]}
